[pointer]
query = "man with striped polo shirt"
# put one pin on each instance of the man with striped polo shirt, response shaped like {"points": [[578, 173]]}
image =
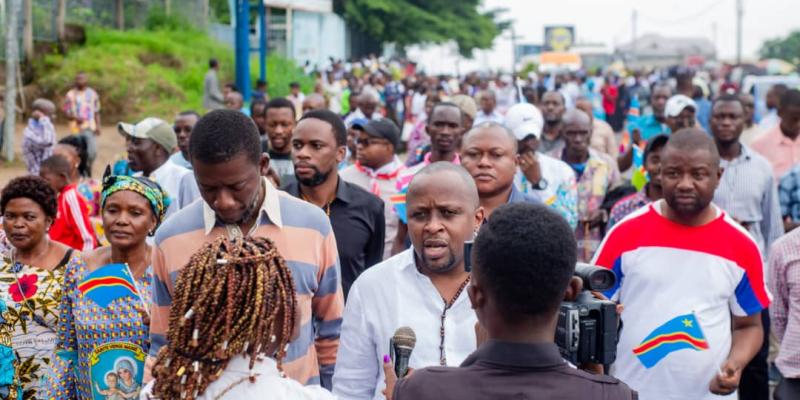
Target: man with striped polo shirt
{"points": [[691, 282], [237, 201]]}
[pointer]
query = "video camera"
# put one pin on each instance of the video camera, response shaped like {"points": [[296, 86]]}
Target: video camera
{"points": [[587, 327]]}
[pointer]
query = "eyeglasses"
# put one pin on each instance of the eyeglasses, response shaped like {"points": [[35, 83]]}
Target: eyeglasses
{"points": [[179, 129], [370, 141]]}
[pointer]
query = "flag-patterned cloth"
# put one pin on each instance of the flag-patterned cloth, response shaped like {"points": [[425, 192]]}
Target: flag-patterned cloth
{"points": [[681, 332], [108, 283]]}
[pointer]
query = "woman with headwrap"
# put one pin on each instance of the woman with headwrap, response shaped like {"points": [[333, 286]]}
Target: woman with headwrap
{"points": [[106, 300]]}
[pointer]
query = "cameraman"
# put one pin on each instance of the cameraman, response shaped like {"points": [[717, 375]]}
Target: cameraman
{"points": [[524, 258]]}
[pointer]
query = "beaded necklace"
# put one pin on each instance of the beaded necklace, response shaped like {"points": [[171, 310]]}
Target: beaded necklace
{"points": [[447, 305]]}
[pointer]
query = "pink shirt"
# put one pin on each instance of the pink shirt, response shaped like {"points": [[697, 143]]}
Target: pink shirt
{"points": [[781, 151]]}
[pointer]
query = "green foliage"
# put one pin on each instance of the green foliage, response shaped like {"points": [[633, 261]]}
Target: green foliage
{"points": [[151, 73], [407, 22], [158, 19], [527, 69], [787, 48]]}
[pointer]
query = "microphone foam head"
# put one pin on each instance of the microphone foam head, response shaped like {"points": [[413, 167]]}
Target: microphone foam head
{"points": [[404, 336]]}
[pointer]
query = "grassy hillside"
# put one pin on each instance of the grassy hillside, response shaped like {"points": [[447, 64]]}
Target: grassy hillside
{"points": [[150, 73]]}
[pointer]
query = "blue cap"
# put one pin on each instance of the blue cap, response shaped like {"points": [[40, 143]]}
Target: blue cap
{"points": [[358, 122]]}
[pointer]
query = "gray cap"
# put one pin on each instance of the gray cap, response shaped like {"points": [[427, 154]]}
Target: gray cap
{"points": [[151, 128]]}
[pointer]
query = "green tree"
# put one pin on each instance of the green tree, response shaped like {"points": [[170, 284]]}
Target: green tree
{"points": [[407, 22], [787, 48]]}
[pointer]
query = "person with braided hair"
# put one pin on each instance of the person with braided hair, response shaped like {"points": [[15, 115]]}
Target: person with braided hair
{"points": [[103, 324], [237, 202], [228, 339]]}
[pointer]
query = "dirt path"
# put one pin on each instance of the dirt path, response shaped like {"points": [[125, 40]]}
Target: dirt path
{"points": [[109, 146]]}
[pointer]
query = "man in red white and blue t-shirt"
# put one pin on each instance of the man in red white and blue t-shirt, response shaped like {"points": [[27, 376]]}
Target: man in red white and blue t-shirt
{"points": [[684, 270]]}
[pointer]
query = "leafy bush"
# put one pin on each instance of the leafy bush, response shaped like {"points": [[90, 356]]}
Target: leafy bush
{"points": [[152, 73]]}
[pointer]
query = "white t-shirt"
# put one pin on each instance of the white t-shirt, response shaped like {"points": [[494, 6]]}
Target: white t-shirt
{"points": [[679, 286], [269, 384]]}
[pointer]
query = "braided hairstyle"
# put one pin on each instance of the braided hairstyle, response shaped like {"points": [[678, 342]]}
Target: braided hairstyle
{"points": [[233, 298]]}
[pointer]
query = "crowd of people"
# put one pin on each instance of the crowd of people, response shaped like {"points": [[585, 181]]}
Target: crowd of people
{"points": [[272, 247]]}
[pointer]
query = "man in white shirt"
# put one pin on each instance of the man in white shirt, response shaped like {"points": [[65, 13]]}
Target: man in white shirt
{"points": [[549, 179], [368, 102], [149, 145], [488, 102], [423, 288]]}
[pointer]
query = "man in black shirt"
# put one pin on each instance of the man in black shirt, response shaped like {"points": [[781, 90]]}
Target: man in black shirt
{"points": [[523, 261], [279, 121], [318, 145]]}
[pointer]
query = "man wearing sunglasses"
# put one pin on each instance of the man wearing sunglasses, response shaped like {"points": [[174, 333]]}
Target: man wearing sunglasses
{"points": [[377, 168]]}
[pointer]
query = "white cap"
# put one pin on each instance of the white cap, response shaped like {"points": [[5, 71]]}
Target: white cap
{"points": [[523, 120], [677, 103]]}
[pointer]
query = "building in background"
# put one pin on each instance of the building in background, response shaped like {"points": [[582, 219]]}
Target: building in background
{"points": [[301, 30], [654, 50]]}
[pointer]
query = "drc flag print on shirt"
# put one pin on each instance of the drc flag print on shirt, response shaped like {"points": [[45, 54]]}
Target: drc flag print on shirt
{"points": [[679, 286]]}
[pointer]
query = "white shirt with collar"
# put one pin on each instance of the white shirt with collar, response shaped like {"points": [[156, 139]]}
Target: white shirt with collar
{"points": [[388, 296], [179, 184], [269, 384], [482, 117]]}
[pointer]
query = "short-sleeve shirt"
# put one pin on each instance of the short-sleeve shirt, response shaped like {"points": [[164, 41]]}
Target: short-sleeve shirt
{"points": [[679, 285], [84, 104]]}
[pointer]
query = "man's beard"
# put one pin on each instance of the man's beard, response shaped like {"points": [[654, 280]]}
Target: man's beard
{"points": [[686, 210], [317, 179], [448, 266]]}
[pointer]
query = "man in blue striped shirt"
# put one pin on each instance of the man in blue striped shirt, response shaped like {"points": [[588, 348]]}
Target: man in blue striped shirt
{"points": [[747, 192]]}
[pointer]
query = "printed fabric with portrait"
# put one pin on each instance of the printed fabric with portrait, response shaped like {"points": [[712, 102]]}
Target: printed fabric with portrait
{"points": [[102, 338], [31, 297]]}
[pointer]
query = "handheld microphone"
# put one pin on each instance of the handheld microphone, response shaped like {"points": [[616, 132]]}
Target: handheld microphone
{"points": [[400, 347]]}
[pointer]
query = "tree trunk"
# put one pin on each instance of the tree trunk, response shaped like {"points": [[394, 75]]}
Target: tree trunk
{"points": [[204, 13], [12, 58], [61, 16], [119, 11], [168, 7], [27, 30]]}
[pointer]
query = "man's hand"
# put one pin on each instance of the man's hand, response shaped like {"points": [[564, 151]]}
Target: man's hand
{"points": [[390, 378], [529, 165], [597, 218], [727, 379]]}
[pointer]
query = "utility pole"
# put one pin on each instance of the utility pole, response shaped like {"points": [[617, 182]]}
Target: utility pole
{"points": [[634, 19], [739, 15], [714, 35], [12, 59], [513, 52]]}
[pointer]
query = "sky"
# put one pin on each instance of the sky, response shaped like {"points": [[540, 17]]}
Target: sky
{"points": [[610, 22]]}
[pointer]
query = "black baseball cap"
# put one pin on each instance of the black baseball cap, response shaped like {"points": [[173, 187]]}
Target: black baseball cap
{"points": [[383, 128]]}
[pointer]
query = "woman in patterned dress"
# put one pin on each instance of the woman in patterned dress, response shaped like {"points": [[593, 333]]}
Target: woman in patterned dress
{"points": [[30, 286], [104, 310]]}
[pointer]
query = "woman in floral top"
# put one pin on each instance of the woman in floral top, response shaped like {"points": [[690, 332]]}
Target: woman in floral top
{"points": [[30, 287], [103, 334]]}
